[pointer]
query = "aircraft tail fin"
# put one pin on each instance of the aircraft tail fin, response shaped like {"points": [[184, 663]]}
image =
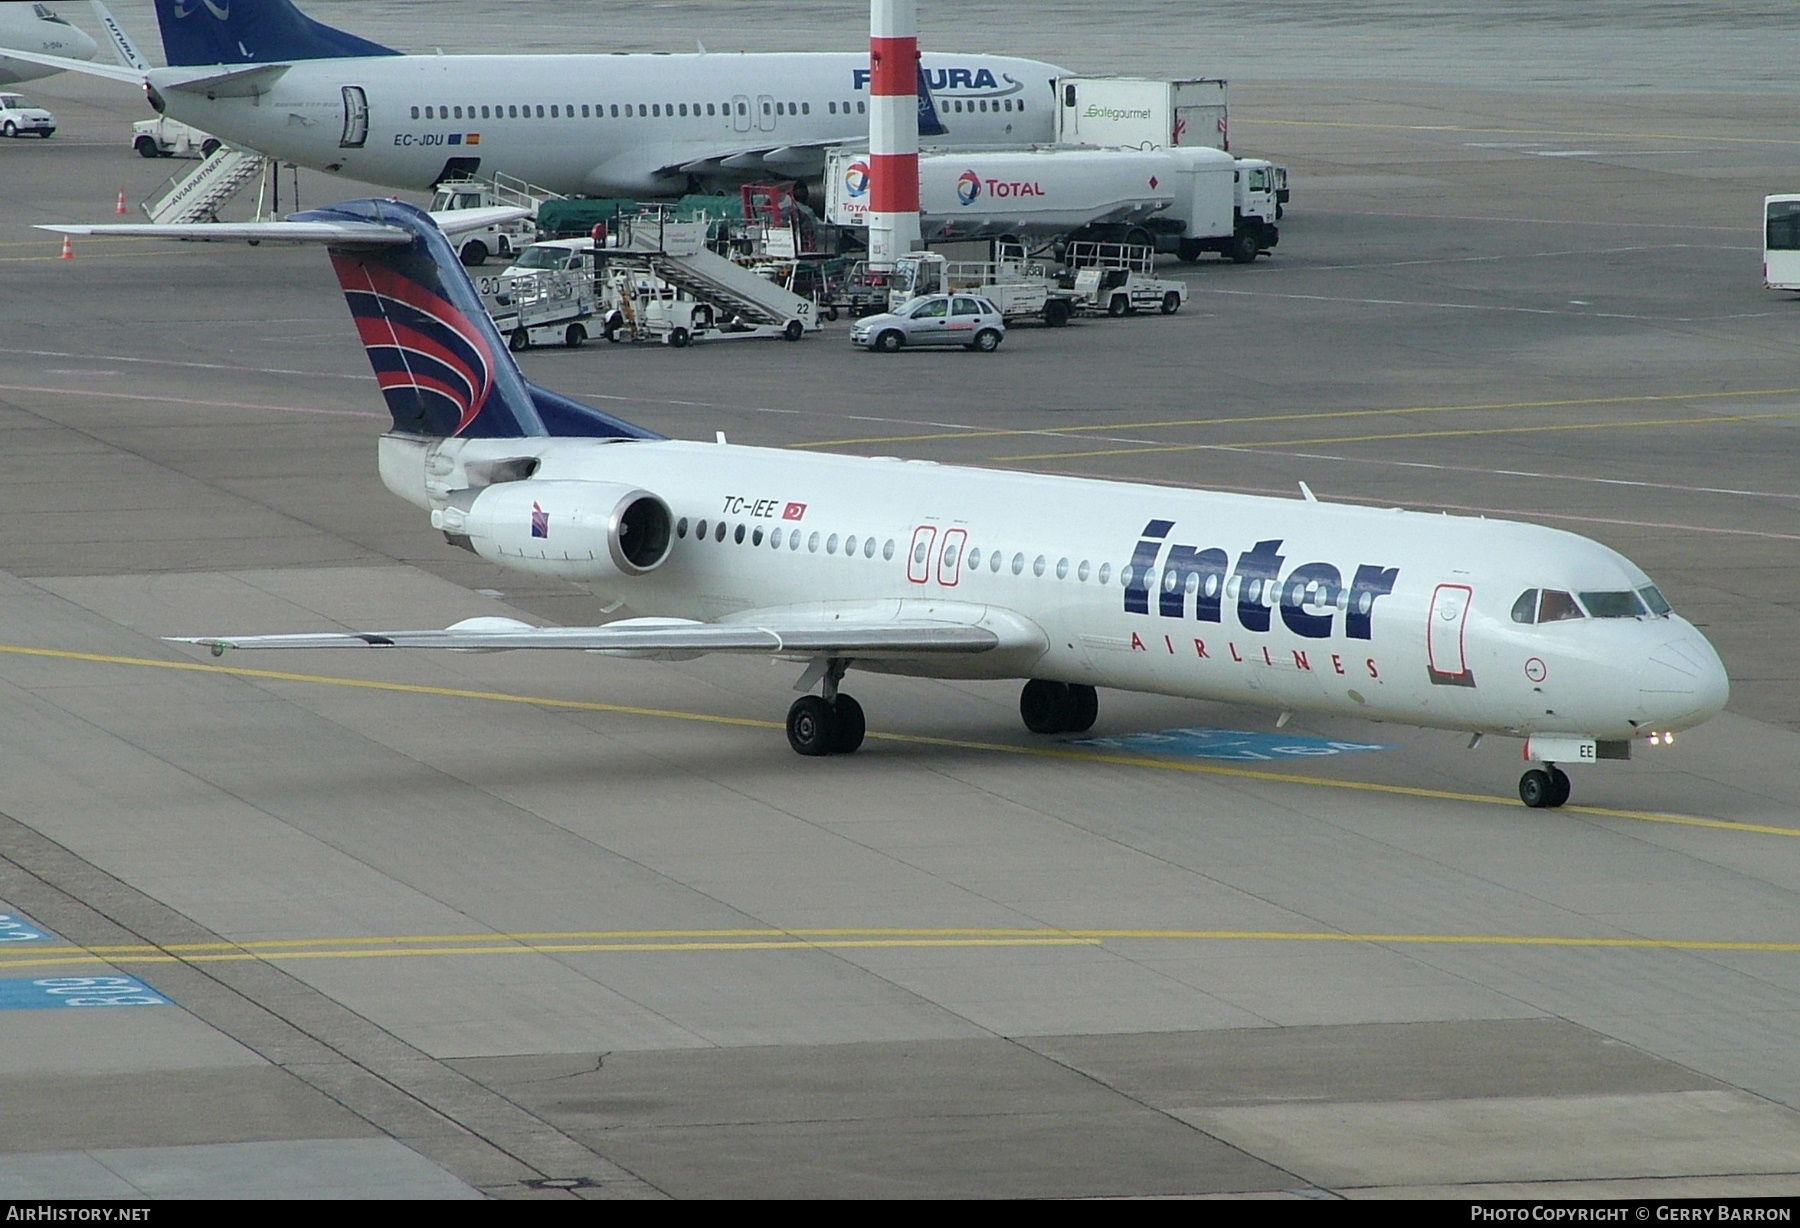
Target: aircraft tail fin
{"points": [[929, 123], [251, 32], [442, 365]]}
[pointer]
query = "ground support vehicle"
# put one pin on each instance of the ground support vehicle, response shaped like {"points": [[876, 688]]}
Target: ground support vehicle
{"points": [[163, 137], [543, 307], [1141, 113], [19, 116], [967, 320], [660, 281], [1181, 200], [1119, 280], [1781, 242], [855, 290], [505, 239], [1022, 288]]}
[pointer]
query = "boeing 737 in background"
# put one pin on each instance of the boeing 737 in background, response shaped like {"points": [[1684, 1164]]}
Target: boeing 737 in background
{"points": [[840, 563], [261, 74], [37, 29]]}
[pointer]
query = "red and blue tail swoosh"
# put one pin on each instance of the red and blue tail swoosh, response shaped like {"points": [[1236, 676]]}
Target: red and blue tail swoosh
{"points": [[442, 366]]}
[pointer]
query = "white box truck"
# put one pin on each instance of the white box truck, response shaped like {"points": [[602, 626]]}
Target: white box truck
{"points": [[1138, 113], [1186, 200]]}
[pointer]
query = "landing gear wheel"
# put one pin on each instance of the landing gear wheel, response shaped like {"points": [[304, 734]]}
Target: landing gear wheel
{"points": [[889, 342], [794, 331], [1171, 303], [519, 341], [574, 336], [812, 726], [474, 254], [850, 726], [1084, 708], [1537, 788], [1046, 706], [1559, 787], [1243, 248], [1118, 305]]}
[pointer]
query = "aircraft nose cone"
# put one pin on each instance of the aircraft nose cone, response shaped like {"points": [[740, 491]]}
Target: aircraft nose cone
{"points": [[1683, 683]]}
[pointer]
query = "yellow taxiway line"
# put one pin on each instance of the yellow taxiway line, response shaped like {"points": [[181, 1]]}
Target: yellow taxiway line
{"points": [[417, 946], [1070, 753], [1382, 411]]}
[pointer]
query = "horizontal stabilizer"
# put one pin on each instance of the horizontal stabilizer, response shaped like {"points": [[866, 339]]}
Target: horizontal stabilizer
{"points": [[451, 221], [254, 232], [237, 83]]}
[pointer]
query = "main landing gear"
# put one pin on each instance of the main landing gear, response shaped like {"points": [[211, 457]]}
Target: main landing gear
{"points": [[1544, 788], [828, 724], [1058, 707]]}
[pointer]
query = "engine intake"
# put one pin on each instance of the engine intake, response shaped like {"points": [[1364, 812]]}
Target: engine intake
{"points": [[574, 530]]}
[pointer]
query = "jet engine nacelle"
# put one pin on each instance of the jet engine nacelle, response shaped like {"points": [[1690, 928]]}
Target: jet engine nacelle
{"points": [[574, 530]]}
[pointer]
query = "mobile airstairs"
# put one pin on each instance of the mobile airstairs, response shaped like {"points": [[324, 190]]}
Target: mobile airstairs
{"points": [[661, 282]]}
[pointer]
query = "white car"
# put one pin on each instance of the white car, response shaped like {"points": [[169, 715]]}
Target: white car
{"points": [[18, 117], [967, 320]]}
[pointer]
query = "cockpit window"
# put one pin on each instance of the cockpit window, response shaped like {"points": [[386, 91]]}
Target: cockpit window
{"points": [[1653, 598], [1525, 608], [1614, 605], [1554, 607]]}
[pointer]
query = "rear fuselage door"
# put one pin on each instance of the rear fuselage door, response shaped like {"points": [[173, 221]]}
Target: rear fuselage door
{"points": [[356, 118], [765, 112], [740, 113], [1447, 665]]}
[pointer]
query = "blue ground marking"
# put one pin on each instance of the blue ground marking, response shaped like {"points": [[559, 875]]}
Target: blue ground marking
{"points": [[53, 992], [1234, 744], [17, 929]]}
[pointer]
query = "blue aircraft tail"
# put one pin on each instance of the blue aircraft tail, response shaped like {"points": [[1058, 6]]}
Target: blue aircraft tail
{"points": [[442, 365], [251, 32]]}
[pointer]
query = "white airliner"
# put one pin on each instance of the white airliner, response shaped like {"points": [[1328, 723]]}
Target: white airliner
{"points": [[37, 29], [260, 74], [910, 567]]}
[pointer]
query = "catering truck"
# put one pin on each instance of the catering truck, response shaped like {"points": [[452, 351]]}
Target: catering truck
{"points": [[1183, 200], [1138, 113]]}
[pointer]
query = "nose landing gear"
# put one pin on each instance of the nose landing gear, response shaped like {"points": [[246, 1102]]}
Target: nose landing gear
{"points": [[1543, 789]]}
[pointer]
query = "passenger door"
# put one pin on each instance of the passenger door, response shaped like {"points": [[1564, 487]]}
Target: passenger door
{"points": [[1446, 664]]}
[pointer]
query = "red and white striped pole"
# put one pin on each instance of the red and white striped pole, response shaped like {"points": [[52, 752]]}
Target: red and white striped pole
{"points": [[893, 130]]}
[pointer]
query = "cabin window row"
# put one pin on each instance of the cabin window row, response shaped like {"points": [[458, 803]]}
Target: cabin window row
{"points": [[615, 110]]}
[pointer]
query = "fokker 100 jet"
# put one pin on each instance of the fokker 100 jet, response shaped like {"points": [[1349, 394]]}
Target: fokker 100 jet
{"points": [[263, 75], [839, 563]]}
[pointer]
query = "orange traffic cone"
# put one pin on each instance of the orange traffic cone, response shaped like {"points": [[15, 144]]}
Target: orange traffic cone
{"points": [[68, 251], [121, 209]]}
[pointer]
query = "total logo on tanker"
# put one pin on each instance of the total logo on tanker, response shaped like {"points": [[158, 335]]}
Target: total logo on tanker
{"points": [[856, 178], [970, 186]]}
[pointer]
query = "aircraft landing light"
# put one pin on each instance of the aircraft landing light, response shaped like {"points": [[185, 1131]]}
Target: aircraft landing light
{"points": [[1067, 751], [1239, 745], [78, 990]]}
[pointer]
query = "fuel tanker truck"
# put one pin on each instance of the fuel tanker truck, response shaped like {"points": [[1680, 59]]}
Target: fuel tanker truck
{"points": [[1185, 200]]}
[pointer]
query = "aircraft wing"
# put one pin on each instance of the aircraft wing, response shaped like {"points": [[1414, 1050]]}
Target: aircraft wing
{"points": [[659, 636]]}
